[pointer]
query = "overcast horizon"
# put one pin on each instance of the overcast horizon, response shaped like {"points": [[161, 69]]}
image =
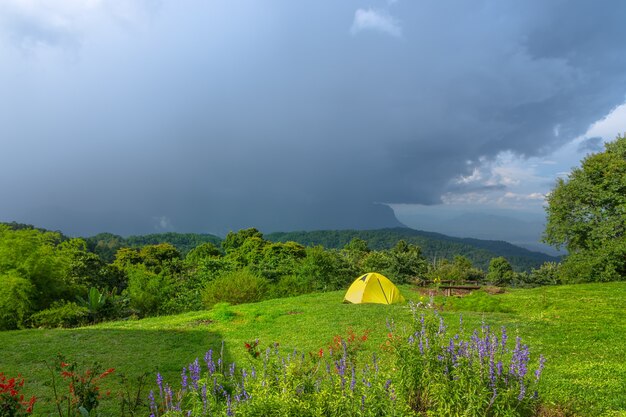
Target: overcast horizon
{"points": [[136, 117]]}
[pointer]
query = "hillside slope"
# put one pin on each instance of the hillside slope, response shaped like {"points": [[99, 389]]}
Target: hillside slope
{"points": [[434, 245]]}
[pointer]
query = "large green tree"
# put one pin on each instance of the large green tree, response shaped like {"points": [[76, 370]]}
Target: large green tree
{"points": [[587, 216]]}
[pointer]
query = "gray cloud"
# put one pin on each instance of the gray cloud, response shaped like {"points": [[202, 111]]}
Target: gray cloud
{"points": [[380, 21], [230, 114], [590, 145]]}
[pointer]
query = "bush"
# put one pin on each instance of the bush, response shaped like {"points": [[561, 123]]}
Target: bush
{"points": [[235, 287], [289, 286], [61, 314], [601, 265], [546, 274], [12, 401], [460, 269]]}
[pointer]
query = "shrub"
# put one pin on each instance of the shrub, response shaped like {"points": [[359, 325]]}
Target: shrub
{"points": [[12, 403], [546, 274], [83, 390], [235, 287], [289, 286], [105, 305], [460, 269], [61, 314]]}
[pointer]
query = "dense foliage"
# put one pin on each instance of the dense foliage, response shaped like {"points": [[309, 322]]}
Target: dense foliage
{"points": [[49, 280], [434, 246], [587, 216], [107, 244]]}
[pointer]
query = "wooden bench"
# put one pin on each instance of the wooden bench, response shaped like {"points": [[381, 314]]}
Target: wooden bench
{"points": [[447, 289]]}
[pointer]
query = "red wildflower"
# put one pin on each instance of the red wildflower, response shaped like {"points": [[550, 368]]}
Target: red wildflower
{"points": [[107, 372], [321, 353]]}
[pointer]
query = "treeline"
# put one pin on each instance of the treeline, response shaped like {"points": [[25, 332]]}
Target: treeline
{"points": [[47, 279], [434, 245], [50, 280], [107, 244]]}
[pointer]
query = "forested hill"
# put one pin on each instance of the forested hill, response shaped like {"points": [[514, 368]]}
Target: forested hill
{"points": [[434, 245], [106, 244]]}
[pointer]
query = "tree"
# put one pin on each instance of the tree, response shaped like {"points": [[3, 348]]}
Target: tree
{"points": [[203, 251], [500, 271], [586, 214], [460, 269], [232, 241]]}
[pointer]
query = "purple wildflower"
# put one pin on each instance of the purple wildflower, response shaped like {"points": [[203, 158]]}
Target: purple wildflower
{"points": [[208, 359], [204, 397], [194, 371], [153, 407], [542, 361], [522, 391], [183, 378], [168, 397], [442, 327], [390, 325], [160, 383], [229, 410]]}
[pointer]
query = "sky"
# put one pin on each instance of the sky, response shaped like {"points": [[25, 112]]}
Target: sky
{"points": [[207, 116]]}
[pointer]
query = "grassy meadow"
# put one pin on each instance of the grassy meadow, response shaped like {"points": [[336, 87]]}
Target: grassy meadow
{"points": [[580, 329]]}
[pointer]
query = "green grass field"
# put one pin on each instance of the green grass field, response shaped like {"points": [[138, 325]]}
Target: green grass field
{"points": [[581, 329]]}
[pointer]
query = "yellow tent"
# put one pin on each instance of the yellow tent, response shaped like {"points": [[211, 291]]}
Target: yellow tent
{"points": [[373, 288]]}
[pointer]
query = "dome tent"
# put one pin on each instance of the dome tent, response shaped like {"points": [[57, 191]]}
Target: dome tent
{"points": [[373, 288]]}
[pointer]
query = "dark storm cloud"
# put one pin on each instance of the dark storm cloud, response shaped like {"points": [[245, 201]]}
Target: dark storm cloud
{"points": [[279, 115], [590, 145]]}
